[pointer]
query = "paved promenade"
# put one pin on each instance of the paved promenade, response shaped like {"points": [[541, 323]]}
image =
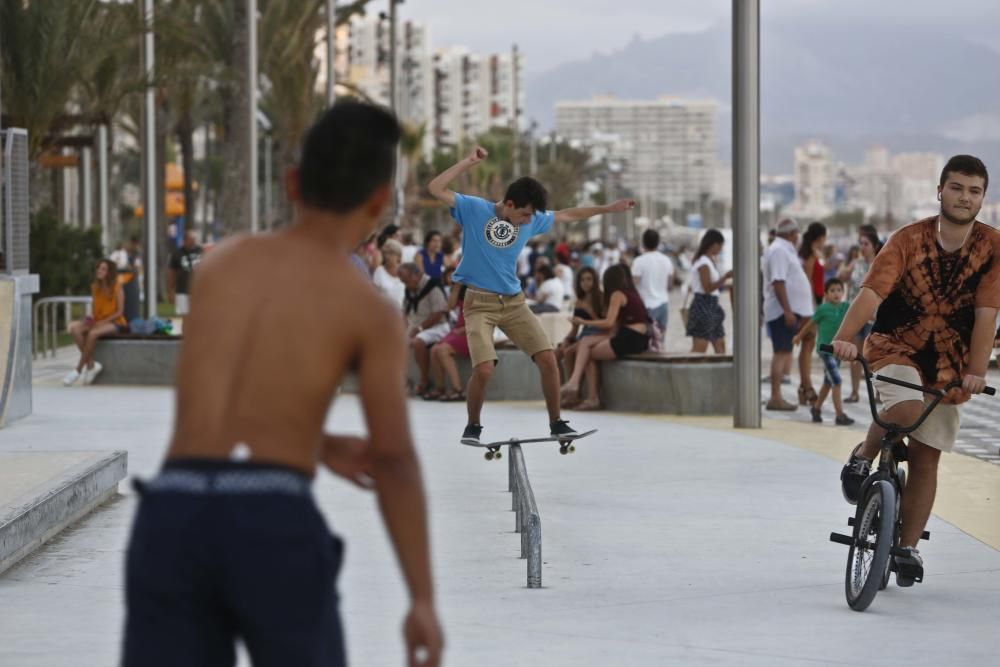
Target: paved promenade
{"points": [[665, 541]]}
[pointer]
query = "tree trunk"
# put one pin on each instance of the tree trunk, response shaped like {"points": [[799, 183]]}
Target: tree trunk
{"points": [[234, 213], [185, 132]]}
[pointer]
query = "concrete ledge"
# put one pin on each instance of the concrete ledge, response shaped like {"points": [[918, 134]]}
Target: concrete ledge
{"points": [[52, 495], [683, 388], [137, 361]]}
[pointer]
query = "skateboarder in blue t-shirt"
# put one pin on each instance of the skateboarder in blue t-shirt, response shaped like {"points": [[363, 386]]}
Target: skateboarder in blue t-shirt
{"points": [[493, 235]]}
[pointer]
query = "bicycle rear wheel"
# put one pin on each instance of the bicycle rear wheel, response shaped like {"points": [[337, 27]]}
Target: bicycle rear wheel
{"points": [[868, 557]]}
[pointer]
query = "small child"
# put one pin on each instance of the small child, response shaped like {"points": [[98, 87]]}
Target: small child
{"points": [[827, 319]]}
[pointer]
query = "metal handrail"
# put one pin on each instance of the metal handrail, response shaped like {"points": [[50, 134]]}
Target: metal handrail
{"points": [[527, 522], [45, 322]]}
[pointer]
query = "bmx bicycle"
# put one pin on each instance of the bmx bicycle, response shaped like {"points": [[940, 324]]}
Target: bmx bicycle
{"points": [[876, 523]]}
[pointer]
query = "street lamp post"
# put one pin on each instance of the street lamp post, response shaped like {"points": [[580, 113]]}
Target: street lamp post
{"points": [[746, 211], [149, 148], [252, 110], [331, 51]]}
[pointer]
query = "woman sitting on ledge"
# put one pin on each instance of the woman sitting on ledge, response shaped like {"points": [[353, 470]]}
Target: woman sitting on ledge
{"points": [[629, 320], [107, 318]]}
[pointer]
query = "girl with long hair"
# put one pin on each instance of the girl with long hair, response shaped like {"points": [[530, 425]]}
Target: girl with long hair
{"points": [[627, 319], [430, 258], [107, 318], [589, 306], [706, 315]]}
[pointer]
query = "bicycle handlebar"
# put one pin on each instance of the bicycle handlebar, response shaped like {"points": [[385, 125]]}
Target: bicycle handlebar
{"points": [[938, 394]]}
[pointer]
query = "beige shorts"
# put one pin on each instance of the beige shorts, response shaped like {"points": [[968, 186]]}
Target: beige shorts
{"points": [[940, 428], [485, 311]]}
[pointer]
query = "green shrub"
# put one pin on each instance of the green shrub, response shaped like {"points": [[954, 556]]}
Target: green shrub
{"points": [[64, 257]]}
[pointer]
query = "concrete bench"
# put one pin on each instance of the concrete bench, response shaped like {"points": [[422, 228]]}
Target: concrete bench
{"points": [[133, 359], [651, 382]]}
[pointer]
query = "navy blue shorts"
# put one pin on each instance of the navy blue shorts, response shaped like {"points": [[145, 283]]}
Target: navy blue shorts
{"points": [[222, 550], [782, 334]]}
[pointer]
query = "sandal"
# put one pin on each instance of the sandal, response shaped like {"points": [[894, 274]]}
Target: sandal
{"points": [[568, 392], [853, 398], [589, 405], [782, 406], [453, 397], [432, 395], [807, 395], [567, 403]]}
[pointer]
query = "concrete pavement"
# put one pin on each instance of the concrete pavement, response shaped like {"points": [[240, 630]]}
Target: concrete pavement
{"points": [[665, 541]]}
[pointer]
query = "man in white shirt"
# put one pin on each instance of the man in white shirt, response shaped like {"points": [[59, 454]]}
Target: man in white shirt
{"points": [[652, 272], [788, 301]]}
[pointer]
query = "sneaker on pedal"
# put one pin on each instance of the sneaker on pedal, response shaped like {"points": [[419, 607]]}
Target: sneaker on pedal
{"points": [[561, 428], [471, 434], [909, 568], [853, 476]]}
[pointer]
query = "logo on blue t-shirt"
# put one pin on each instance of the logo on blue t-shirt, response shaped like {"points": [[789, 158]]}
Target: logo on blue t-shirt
{"points": [[501, 233]]}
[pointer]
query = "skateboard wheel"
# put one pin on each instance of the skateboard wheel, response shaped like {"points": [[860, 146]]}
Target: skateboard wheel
{"points": [[498, 456], [563, 450], [489, 456], [572, 448]]}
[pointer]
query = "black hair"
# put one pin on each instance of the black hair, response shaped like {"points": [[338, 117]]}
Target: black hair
{"points": [[831, 282], [546, 271], [711, 237], [347, 154], [967, 165], [650, 239], [814, 231], [870, 233], [527, 191], [429, 236], [389, 231], [616, 279]]}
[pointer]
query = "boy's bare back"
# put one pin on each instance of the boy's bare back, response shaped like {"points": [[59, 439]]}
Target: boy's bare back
{"points": [[276, 322]]}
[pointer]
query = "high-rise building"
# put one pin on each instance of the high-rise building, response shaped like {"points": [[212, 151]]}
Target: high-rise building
{"points": [[815, 182], [666, 146]]}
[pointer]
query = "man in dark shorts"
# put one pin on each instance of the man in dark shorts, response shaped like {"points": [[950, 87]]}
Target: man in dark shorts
{"points": [[228, 542], [788, 300], [934, 291], [493, 235]]}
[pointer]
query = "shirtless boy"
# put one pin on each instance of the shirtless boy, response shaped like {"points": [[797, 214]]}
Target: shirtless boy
{"points": [[228, 541]]}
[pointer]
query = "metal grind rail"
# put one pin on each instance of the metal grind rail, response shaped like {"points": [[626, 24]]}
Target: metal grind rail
{"points": [[527, 522]]}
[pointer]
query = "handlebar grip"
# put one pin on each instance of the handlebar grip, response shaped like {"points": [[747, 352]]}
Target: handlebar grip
{"points": [[826, 348]]}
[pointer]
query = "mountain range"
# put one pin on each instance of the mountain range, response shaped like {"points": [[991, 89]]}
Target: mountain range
{"points": [[904, 86]]}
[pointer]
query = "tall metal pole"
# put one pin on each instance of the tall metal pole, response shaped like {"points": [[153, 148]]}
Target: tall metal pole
{"points": [[746, 211], [252, 110], [268, 181], [515, 110], [394, 104], [331, 51], [86, 187], [103, 210], [149, 147]]}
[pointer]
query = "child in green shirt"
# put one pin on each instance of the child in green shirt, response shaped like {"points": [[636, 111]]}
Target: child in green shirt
{"points": [[827, 319]]}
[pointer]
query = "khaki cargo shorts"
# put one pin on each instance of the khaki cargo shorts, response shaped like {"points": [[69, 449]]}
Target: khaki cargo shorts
{"points": [[485, 311], [940, 428]]}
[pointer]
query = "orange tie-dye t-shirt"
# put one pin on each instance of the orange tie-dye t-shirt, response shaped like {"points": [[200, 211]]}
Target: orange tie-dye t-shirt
{"points": [[930, 298]]}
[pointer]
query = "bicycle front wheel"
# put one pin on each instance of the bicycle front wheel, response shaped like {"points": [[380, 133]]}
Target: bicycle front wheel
{"points": [[868, 557]]}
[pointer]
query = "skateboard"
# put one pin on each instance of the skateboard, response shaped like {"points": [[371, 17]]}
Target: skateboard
{"points": [[565, 444]]}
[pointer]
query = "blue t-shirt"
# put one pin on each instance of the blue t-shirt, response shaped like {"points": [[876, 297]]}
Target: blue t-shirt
{"points": [[490, 246]]}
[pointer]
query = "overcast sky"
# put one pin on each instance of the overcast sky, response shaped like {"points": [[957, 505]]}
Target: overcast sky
{"points": [[551, 32]]}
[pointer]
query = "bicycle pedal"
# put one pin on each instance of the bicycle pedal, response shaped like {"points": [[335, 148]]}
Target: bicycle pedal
{"points": [[842, 539]]}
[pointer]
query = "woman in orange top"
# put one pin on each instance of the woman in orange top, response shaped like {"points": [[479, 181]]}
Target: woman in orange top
{"points": [[107, 318]]}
